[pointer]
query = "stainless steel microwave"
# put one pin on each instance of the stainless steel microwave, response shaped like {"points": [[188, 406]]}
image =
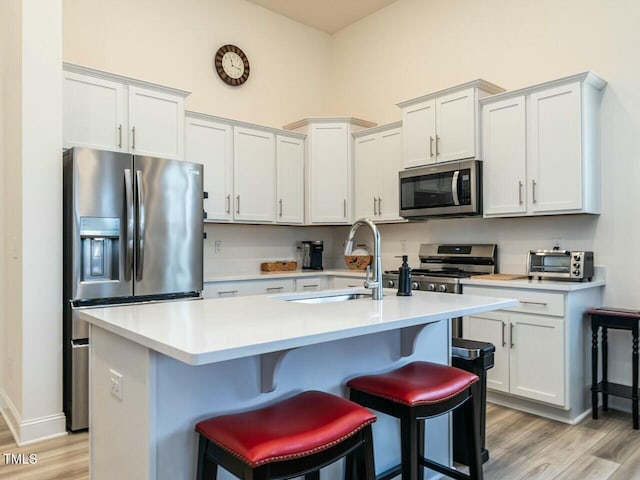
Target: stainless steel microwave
{"points": [[447, 189]]}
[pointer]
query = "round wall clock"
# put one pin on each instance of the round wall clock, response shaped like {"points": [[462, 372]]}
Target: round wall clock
{"points": [[232, 65]]}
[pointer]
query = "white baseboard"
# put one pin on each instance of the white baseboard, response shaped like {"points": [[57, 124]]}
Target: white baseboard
{"points": [[25, 432]]}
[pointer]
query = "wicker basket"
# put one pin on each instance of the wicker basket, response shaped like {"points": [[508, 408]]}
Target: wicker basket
{"points": [[282, 266]]}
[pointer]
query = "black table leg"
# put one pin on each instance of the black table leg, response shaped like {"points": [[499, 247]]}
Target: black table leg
{"points": [[634, 382], [605, 367], [594, 369]]}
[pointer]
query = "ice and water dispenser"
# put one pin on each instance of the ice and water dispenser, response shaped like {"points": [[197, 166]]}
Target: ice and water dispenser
{"points": [[100, 238]]}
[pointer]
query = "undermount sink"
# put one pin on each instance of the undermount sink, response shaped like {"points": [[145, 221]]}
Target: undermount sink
{"points": [[331, 298]]}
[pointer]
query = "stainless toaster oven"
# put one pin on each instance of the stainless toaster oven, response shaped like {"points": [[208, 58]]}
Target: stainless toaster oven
{"points": [[560, 264]]}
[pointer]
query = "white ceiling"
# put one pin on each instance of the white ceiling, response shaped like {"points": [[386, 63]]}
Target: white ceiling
{"points": [[326, 15]]}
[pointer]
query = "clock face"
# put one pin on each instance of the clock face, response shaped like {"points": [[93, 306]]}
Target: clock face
{"points": [[232, 65]]}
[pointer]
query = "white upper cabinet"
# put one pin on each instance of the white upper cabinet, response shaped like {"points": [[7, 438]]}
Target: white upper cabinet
{"points": [[541, 148], [254, 175], [378, 158], [329, 168], [211, 144], [444, 125], [112, 112], [94, 113], [290, 179], [156, 123]]}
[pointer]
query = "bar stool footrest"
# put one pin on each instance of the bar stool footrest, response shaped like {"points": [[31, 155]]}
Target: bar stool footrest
{"points": [[615, 389], [449, 472], [390, 473]]}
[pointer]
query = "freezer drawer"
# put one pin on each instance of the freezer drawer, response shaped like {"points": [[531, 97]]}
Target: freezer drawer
{"points": [[79, 418]]}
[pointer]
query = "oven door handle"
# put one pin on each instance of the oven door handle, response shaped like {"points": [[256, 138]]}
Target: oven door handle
{"points": [[454, 187]]}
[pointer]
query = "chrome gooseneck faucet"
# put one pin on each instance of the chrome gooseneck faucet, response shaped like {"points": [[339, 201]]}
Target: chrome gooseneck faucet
{"points": [[376, 284]]}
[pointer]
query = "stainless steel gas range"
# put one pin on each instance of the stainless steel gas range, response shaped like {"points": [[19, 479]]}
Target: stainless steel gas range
{"points": [[442, 267]]}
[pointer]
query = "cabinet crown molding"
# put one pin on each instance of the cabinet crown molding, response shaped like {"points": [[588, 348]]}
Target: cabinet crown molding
{"points": [[588, 77], [238, 123], [378, 129], [307, 121], [479, 83], [71, 67]]}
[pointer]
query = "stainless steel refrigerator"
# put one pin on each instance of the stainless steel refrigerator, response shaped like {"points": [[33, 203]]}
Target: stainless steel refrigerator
{"points": [[133, 231]]}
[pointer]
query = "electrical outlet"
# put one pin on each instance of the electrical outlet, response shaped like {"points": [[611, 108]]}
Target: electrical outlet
{"points": [[217, 247], [403, 246], [556, 242], [116, 384]]}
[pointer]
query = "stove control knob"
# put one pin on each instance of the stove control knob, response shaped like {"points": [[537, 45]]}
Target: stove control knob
{"points": [[415, 286], [391, 283], [576, 258], [576, 265], [431, 287], [442, 288], [576, 272]]}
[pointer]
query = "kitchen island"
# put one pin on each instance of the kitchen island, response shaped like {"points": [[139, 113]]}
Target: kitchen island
{"points": [[158, 369]]}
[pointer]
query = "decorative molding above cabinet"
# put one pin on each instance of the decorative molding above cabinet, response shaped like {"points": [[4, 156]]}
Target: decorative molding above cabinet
{"points": [[378, 159], [252, 174], [444, 125], [112, 112], [329, 168], [540, 148]]}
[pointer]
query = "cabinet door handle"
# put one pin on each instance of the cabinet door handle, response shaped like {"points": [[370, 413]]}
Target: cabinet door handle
{"points": [[269, 289], [228, 203], [280, 204], [133, 138], [520, 193], [379, 206], [311, 285], [430, 146], [344, 208], [120, 136], [228, 292], [238, 204], [437, 146], [511, 334], [533, 190], [542, 304], [375, 206], [504, 342]]}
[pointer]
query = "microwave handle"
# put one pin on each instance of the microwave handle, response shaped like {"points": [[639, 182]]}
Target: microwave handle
{"points": [[454, 187]]}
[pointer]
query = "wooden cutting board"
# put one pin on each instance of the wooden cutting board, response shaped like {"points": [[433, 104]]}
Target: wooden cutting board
{"points": [[498, 276]]}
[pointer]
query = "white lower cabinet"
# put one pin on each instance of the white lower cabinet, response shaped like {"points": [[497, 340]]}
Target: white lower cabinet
{"points": [[247, 287], [542, 357], [311, 284]]}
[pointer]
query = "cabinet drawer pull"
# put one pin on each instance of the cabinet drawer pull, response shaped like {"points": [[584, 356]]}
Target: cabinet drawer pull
{"points": [[274, 288], [379, 206], [437, 146], [504, 342], [542, 304], [228, 292], [120, 136], [311, 285], [228, 203], [344, 207], [511, 334], [280, 204], [533, 190], [375, 206], [133, 138], [238, 204], [431, 146], [520, 193]]}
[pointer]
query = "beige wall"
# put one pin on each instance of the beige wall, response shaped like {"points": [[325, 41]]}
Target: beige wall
{"points": [[173, 43]]}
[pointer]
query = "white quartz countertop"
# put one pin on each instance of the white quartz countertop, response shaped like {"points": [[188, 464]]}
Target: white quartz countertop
{"points": [[199, 332], [232, 277], [535, 284]]}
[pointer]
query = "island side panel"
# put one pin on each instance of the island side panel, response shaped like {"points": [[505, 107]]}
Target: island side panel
{"points": [[187, 394], [121, 432]]}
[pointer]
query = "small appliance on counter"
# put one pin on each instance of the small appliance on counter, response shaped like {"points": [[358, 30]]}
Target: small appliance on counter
{"points": [[559, 264], [312, 254]]}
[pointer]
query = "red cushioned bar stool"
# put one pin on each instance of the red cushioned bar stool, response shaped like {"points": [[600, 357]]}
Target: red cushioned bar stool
{"points": [[295, 437], [413, 393]]}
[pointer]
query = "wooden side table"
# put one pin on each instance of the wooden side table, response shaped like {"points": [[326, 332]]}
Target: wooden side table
{"points": [[619, 319]]}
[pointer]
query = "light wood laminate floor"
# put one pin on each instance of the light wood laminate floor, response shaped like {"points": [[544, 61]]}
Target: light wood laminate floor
{"points": [[521, 446]]}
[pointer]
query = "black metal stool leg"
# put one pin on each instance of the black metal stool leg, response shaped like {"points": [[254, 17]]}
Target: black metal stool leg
{"points": [[634, 381], [473, 437], [594, 369], [409, 447], [420, 442], [367, 455], [206, 469], [605, 367]]}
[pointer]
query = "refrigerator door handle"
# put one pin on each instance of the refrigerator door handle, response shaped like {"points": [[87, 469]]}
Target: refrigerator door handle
{"points": [[141, 225], [128, 190]]}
